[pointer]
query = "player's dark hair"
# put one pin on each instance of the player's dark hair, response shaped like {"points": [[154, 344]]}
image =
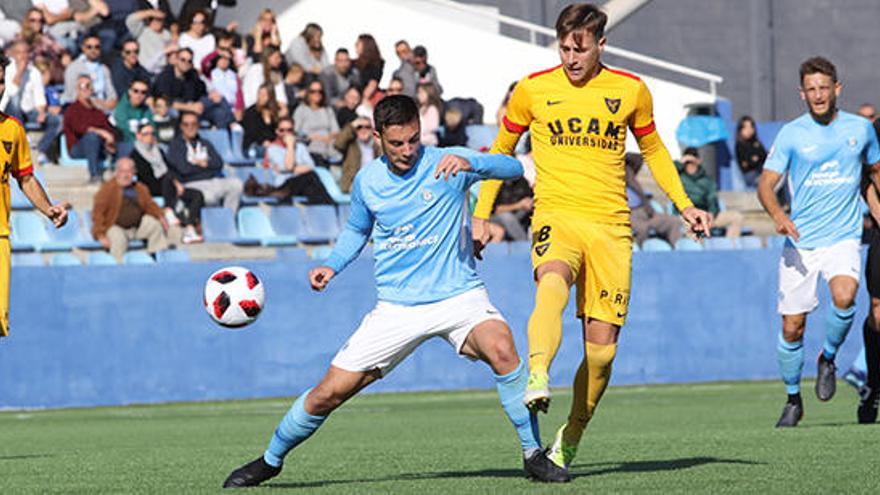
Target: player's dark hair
{"points": [[579, 17], [4, 61], [342, 50], [818, 65], [394, 110]]}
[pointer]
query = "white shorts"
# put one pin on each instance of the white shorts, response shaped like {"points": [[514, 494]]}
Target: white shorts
{"points": [[391, 332], [799, 271]]}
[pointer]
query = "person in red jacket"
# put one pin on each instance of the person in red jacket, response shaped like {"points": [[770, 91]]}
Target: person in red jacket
{"points": [[88, 133]]}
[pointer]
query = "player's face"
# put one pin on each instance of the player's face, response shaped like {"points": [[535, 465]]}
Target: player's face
{"points": [[580, 52], [401, 144], [820, 92]]}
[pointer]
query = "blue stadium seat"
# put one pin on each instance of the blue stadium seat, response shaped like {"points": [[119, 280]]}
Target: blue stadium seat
{"points": [[496, 249], [101, 258], [237, 139], [657, 206], [655, 244], [688, 244], [30, 229], [218, 225], [27, 259], [319, 224], [321, 253], [219, 138], [253, 224], [138, 258], [776, 241], [65, 160], [480, 136], [719, 244], [520, 247], [86, 241], [343, 211], [750, 242], [70, 234], [173, 256], [18, 201], [159, 200], [636, 247], [331, 186], [65, 259], [293, 255]]}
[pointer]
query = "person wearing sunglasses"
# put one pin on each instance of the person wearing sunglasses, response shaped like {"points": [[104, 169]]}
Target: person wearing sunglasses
{"points": [[87, 131], [186, 91], [127, 67], [358, 147], [148, 28], [104, 94], [132, 113], [293, 167]]}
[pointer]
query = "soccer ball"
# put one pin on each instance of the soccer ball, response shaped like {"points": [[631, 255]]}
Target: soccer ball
{"points": [[234, 296]]}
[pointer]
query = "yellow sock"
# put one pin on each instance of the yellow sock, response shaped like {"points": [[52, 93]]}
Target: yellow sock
{"points": [[545, 324], [590, 382]]}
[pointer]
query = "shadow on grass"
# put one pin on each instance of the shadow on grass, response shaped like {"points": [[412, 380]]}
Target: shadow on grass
{"points": [[578, 470], [597, 469], [22, 456]]}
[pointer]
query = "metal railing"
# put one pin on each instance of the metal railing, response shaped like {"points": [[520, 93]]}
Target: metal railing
{"points": [[535, 29]]}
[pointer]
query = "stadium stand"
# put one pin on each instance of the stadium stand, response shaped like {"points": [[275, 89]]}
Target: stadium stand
{"points": [[101, 258], [655, 244], [137, 258], [27, 259], [253, 224], [687, 244], [65, 259], [173, 256], [332, 187]]}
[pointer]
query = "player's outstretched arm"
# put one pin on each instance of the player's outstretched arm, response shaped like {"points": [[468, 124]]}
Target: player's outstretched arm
{"points": [[355, 234], [35, 193], [320, 276], [767, 197]]}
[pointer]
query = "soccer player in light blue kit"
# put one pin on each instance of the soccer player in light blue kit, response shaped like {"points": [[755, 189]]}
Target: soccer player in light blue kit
{"points": [[413, 202], [824, 152]]}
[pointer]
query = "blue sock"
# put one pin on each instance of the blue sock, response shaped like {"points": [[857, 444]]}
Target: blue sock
{"points": [[837, 325], [791, 362], [511, 389], [295, 428]]}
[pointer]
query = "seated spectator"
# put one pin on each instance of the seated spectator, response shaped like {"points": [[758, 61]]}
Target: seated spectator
{"points": [[370, 65], [429, 113], [89, 63], [197, 165], [260, 121], [868, 111], [186, 92], [112, 29], [124, 211], [224, 78], [750, 153], [88, 133], [264, 33], [198, 38], [351, 101], [268, 70], [88, 14], [454, 128], [9, 28], [358, 147], [643, 218], [405, 70], [42, 45], [166, 126], [25, 97], [425, 73], [702, 191], [148, 28], [307, 50], [338, 77], [396, 87], [294, 87], [131, 113], [183, 206], [513, 209], [126, 68], [226, 44], [317, 122], [59, 22], [294, 168]]}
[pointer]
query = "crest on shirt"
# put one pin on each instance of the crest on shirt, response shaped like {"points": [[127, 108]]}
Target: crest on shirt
{"points": [[427, 196], [613, 104], [852, 142], [7, 145]]}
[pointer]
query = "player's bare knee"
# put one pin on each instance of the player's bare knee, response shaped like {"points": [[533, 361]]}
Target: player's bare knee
{"points": [[843, 299], [502, 355], [793, 328]]}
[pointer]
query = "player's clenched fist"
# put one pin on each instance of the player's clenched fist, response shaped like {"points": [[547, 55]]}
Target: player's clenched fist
{"points": [[319, 277], [451, 165]]}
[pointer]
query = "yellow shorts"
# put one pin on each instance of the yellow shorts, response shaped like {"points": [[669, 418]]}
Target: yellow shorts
{"points": [[5, 261], [599, 256]]}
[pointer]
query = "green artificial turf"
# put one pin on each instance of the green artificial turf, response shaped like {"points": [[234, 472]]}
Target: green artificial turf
{"points": [[710, 438]]}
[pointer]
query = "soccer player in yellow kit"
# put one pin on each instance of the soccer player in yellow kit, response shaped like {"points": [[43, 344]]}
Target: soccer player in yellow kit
{"points": [[15, 158], [578, 114]]}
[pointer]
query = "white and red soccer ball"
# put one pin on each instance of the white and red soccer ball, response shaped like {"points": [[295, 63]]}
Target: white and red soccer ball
{"points": [[234, 296]]}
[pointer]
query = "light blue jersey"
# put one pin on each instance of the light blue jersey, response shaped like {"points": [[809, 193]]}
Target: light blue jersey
{"points": [[419, 225], [824, 165]]}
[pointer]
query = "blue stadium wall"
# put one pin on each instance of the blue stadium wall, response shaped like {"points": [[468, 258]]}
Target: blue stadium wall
{"points": [[85, 336]]}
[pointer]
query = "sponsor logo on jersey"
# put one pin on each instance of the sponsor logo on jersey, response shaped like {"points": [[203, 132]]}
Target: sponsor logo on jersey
{"points": [[852, 142], [613, 104], [592, 132], [427, 196], [809, 149]]}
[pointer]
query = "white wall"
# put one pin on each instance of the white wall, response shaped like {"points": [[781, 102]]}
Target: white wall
{"points": [[471, 58]]}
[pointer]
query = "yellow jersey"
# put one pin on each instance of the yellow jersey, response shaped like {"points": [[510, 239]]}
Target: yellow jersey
{"points": [[578, 137], [15, 157]]}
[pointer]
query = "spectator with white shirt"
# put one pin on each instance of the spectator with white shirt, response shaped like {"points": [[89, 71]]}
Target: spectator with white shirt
{"points": [[89, 63], [148, 28], [224, 79], [198, 165], [25, 96], [198, 38], [269, 69]]}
